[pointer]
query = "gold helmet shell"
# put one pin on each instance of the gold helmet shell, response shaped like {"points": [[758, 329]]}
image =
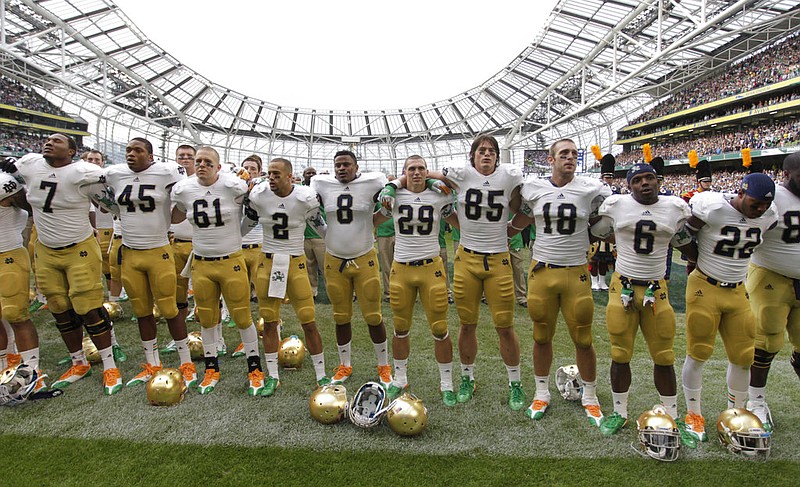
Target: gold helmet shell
{"points": [[407, 415], [31, 296], [114, 310], [89, 348], [291, 353], [166, 388], [195, 343], [659, 436], [328, 404], [156, 313], [743, 433], [260, 326]]}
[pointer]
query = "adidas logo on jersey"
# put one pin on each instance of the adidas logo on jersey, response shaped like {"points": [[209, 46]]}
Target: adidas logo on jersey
{"points": [[346, 188], [742, 220], [486, 183], [52, 176], [560, 196], [698, 293], [208, 193], [136, 179], [769, 287], [417, 200], [646, 213], [281, 206]]}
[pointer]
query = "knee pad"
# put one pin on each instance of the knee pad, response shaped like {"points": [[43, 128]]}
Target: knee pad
{"points": [[98, 328], [581, 335], [242, 317], [208, 317], [69, 326], [543, 333], [374, 319], [168, 308], [306, 314], [762, 359], [503, 319], [664, 358], [621, 355], [439, 329], [743, 357]]}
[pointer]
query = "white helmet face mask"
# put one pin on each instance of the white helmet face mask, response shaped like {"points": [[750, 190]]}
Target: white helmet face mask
{"points": [[569, 383], [368, 405], [659, 437], [16, 384]]}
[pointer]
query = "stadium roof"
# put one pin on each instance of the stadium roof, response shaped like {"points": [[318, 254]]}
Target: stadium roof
{"points": [[594, 65]]}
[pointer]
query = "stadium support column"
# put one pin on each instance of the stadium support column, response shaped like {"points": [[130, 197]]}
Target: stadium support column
{"points": [[505, 156]]}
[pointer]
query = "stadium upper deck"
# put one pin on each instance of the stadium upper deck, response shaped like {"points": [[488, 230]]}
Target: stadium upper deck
{"points": [[593, 68]]}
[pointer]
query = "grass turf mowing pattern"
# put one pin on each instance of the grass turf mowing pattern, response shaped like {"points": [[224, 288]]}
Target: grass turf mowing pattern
{"points": [[78, 462], [483, 427]]}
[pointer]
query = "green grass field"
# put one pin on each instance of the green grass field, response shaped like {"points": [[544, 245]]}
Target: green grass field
{"points": [[230, 438]]}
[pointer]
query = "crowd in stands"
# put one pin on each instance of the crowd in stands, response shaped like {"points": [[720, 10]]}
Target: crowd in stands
{"points": [[16, 94], [778, 134], [778, 63], [722, 181]]}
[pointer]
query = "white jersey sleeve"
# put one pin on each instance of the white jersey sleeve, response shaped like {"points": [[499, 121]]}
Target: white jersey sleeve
{"points": [[561, 216], [483, 205], [144, 202], [215, 213], [780, 251], [59, 197], [283, 219], [727, 240], [12, 221], [349, 208], [416, 224], [643, 233]]}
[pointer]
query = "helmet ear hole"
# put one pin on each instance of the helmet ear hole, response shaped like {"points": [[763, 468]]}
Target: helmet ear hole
{"points": [[166, 388], [407, 415], [328, 404]]}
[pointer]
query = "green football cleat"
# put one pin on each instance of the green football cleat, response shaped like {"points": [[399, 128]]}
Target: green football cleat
{"points": [[516, 396], [466, 390], [687, 439], [270, 386], [119, 353], [610, 425], [449, 398], [537, 409], [35, 306], [323, 381], [393, 392]]}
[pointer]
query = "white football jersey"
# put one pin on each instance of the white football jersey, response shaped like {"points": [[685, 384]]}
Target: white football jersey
{"points": [[483, 205], [215, 213], [254, 236], [780, 251], [349, 208], [283, 219], [103, 219], [145, 206], [643, 233], [60, 198], [12, 219], [561, 216], [416, 223], [117, 226], [728, 238]]}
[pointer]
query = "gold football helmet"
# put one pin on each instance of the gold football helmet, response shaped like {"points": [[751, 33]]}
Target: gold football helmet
{"points": [[156, 313], [31, 296], [195, 342], [291, 353], [328, 404], [166, 388], [260, 327], [16, 384], [742, 432], [114, 310], [407, 415], [92, 354], [659, 437]]}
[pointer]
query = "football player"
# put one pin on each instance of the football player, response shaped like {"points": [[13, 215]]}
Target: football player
{"points": [[351, 264], [15, 270], [182, 235], [417, 269], [212, 202], [314, 245], [727, 231], [643, 224], [773, 282], [107, 228], [561, 206], [142, 192], [68, 261], [487, 192], [283, 209]]}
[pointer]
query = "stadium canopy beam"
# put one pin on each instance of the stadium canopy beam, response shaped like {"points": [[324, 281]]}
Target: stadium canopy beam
{"points": [[72, 32], [687, 37]]}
